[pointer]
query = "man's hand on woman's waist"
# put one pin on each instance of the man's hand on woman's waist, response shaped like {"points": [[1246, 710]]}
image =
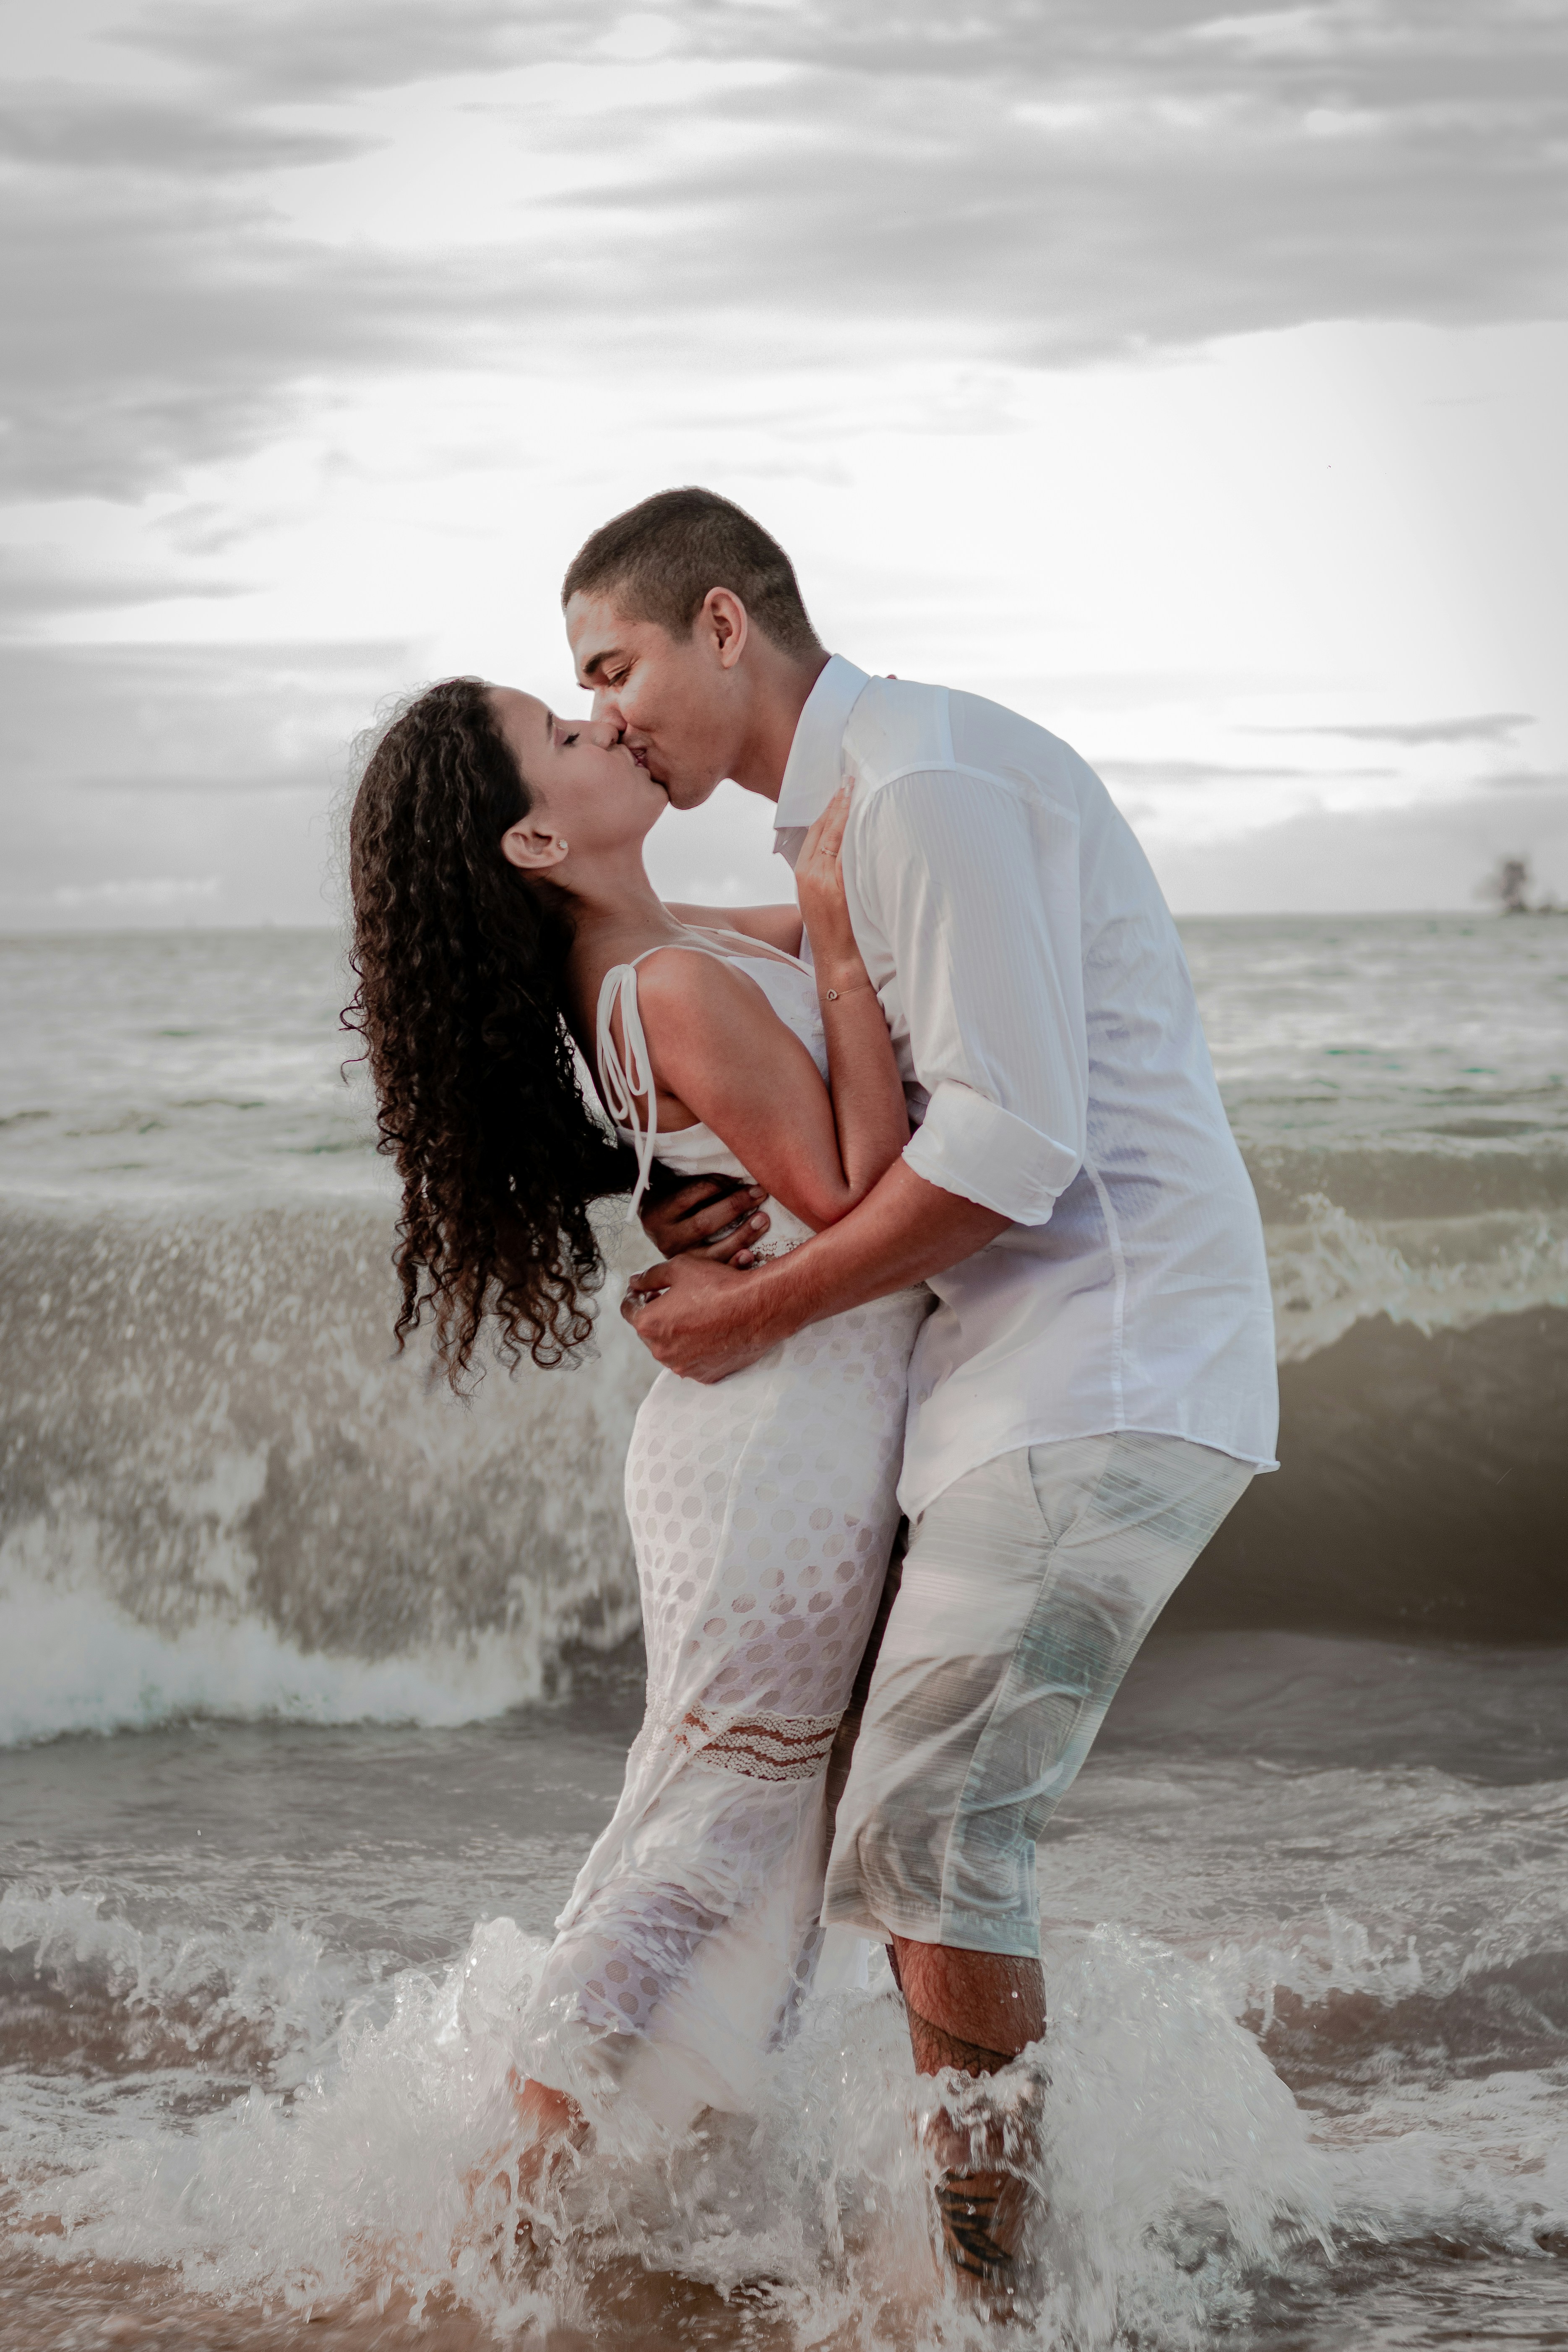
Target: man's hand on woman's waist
{"points": [[705, 1320]]}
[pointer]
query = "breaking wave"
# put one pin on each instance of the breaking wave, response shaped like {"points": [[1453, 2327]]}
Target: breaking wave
{"points": [[224, 1494]]}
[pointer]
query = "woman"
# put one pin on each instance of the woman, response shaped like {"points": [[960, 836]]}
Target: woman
{"points": [[502, 913]]}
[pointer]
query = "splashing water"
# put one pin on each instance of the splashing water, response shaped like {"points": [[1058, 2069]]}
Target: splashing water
{"points": [[1167, 2129]]}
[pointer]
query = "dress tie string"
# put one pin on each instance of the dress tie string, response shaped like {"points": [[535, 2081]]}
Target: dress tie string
{"points": [[626, 1080]]}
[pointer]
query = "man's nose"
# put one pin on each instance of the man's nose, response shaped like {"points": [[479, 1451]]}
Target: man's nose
{"points": [[604, 731], [605, 710]]}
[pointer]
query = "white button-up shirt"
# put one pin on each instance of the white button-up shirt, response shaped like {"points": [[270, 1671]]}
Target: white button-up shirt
{"points": [[1046, 1026]]}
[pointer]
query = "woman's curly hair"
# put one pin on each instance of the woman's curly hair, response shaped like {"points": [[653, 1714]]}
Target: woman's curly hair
{"points": [[459, 963]]}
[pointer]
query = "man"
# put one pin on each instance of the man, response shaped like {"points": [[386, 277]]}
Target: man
{"points": [[1096, 1385]]}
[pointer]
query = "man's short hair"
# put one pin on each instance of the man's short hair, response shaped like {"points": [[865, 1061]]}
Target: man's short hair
{"points": [[659, 559]]}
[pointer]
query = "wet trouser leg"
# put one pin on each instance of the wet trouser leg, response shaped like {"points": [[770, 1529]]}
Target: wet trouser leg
{"points": [[1028, 1589]]}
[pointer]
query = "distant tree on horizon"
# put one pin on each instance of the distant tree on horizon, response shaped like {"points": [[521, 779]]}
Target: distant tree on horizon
{"points": [[1508, 884]]}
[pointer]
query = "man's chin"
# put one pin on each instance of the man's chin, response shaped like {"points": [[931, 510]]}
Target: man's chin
{"points": [[688, 792]]}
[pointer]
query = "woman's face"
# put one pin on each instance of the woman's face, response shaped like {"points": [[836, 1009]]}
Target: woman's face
{"points": [[588, 789]]}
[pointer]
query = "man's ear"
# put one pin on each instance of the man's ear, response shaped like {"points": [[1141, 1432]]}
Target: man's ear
{"points": [[725, 619], [531, 845]]}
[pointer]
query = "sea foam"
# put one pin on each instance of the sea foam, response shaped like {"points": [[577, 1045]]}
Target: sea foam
{"points": [[71, 1661], [1176, 2164]]}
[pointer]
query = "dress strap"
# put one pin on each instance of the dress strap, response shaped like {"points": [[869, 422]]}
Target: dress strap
{"points": [[756, 951], [626, 1076]]}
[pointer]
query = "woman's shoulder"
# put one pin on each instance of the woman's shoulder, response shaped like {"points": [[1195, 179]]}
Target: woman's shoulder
{"points": [[669, 966], [673, 979]]}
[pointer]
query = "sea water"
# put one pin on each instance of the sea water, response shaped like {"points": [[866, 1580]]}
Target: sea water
{"points": [[315, 1684]]}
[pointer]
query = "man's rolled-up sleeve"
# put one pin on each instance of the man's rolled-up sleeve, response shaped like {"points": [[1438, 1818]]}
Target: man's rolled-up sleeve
{"points": [[968, 1144], [975, 892]]}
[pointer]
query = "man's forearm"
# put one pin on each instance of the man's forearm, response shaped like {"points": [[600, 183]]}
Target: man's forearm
{"points": [[903, 1230], [706, 1321]]}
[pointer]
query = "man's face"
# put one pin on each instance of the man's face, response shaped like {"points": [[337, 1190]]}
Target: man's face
{"points": [[678, 702]]}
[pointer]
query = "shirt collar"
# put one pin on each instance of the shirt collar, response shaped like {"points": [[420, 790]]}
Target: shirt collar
{"points": [[811, 773]]}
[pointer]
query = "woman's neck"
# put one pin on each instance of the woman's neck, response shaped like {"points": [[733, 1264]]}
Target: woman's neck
{"points": [[616, 915], [613, 900]]}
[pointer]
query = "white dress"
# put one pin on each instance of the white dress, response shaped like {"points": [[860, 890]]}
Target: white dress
{"points": [[762, 1511]]}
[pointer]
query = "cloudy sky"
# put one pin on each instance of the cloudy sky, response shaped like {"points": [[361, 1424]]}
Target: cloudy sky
{"points": [[1191, 380]]}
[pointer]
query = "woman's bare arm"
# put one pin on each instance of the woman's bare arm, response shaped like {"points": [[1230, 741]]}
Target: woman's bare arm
{"points": [[720, 1051], [870, 1119], [869, 1107]]}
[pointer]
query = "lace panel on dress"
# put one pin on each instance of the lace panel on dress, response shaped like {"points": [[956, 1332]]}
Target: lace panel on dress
{"points": [[759, 1746]]}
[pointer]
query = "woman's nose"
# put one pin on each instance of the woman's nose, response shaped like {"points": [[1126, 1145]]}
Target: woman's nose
{"points": [[605, 732]]}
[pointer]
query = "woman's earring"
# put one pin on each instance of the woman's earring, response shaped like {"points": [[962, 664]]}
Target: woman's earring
{"points": [[564, 849]]}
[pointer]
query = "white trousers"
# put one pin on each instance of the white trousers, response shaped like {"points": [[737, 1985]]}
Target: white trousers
{"points": [[1028, 1587]]}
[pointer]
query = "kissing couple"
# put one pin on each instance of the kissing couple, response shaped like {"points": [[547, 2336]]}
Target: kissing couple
{"points": [[953, 1233]]}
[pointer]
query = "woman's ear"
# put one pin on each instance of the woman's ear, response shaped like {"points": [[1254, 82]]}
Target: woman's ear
{"points": [[531, 845]]}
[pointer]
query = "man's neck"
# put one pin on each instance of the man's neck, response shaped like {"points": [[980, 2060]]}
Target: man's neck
{"points": [[781, 688]]}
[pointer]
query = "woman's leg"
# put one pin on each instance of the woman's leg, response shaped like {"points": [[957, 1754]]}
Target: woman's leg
{"points": [[762, 1512], [551, 2122]]}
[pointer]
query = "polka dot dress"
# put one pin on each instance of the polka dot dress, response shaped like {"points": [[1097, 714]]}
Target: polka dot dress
{"points": [[762, 1510]]}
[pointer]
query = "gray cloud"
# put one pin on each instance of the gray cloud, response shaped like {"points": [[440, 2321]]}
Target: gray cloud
{"points": [[313, 49], [1049, 184], [1486, 726], [177, 326], [1079, 690], [35, 586], [266, 717], [1177, 774], [147, 784], [1118, 181], [67, 132]]}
